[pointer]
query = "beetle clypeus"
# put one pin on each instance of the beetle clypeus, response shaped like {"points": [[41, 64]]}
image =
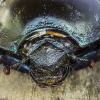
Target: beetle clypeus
{"points": [[49, 38]]}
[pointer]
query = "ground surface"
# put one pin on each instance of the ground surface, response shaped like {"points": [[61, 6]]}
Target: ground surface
{"points": [[80, 85]]}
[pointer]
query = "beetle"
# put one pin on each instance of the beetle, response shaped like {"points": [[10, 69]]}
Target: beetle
{"points": [[49, 38]]}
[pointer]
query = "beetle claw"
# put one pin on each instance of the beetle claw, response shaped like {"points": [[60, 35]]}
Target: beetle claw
{"points": [[6, 70], [92, 64], [80, 63]]}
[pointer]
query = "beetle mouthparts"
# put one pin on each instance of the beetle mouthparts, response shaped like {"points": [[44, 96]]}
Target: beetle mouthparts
{"points": [[50, 75]]}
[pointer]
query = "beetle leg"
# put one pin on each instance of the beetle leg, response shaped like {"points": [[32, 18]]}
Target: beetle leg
{"points": [[0, 59], [87, 60], [83, 63], [6, 69], [95, 55], [13, 63]]}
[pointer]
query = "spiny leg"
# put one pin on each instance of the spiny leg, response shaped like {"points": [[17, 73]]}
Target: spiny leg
{"points": [[13, 63], [87, 60]]}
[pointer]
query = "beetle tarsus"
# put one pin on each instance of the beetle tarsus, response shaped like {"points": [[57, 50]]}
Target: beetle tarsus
{"points": [[80, 63], [92, 64], [6, 70]]}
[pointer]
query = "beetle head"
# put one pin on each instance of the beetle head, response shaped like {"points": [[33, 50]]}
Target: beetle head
{"points": [[47, 54]]}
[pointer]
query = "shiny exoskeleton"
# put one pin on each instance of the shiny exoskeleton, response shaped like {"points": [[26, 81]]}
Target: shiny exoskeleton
{"points": [[49, 38]]}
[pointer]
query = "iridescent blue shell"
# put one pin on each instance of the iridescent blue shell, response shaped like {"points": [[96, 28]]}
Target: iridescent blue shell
{"points": [[80, 19]]}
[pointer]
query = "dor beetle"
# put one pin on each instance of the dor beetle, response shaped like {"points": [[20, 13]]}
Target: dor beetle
{"points": [[49, 38]]}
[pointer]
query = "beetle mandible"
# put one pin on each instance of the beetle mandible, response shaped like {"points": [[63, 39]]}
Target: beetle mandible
{"points": [[49, 38]]}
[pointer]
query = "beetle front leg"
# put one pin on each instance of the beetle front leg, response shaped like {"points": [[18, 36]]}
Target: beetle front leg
{"points": [[88, 60], [13, 63], [82, 63]]}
